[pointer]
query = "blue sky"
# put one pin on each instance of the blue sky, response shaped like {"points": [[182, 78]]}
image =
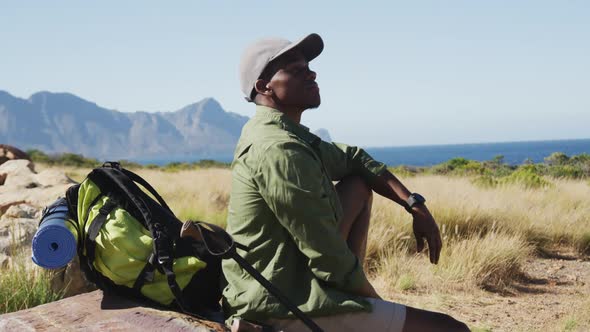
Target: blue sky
{"points": [[392, 73]]}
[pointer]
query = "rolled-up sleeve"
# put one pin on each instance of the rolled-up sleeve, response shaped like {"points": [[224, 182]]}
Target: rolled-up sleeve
{"points": [[290, 180], [341, 160]]}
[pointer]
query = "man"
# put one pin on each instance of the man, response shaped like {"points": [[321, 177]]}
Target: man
{"points": [[305, 235]]}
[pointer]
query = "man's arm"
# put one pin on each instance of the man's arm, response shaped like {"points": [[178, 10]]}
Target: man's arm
{"points": [[425, 228], [342, 160]]}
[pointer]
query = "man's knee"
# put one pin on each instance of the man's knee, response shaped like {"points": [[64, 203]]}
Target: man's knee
{"points": [[423, 320], [452, 324], [356, 185]]}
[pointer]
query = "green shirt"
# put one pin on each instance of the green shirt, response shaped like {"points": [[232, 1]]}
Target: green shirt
{"points": [[285, 208]]}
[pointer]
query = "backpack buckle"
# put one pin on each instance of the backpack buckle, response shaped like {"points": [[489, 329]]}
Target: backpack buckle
{"points": [[163, 260], [112, 164]]}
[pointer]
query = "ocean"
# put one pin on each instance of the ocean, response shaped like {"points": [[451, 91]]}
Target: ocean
{"points": [[514, 153]]}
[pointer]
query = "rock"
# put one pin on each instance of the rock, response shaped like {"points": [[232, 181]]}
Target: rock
{"points": [[38, 197], [17, 227], [18, 174], [53, 177], [21, 205], [22, 211], [4, 261], [8, 152], [71, 280], [102, 312], [17, 166], [323, 134], [16, 233]]}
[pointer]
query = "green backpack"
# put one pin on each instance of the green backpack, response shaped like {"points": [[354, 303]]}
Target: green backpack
{"points": [[130, 243]]}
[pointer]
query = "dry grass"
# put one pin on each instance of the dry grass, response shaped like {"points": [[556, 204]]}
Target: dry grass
{"points": [[488, 232], [24, 285], [553, 216], [197, 195]]}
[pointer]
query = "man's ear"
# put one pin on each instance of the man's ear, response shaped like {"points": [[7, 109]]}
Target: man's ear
{"points": [[262, 87]]}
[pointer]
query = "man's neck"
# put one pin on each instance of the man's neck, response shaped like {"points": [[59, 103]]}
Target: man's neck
{"points": [[294, 114]]}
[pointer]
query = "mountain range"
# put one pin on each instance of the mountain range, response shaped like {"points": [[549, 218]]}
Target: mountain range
{"points": [[63, 122]]}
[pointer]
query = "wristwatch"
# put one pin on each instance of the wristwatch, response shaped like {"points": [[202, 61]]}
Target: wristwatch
{"points": [[413, 200]]}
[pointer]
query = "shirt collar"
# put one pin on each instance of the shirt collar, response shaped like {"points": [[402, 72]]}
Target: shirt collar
{"points": [[284, 122]]}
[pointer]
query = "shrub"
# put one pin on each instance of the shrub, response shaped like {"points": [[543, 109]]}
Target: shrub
{"points": [[404, 171], [526, 176], [490, 261], [208, 163], [503, 170], [448, 166], [130, 164], [459, 166], [583, 245], [557, 158], [566, 171], [63, 159], [38, 156], [498, 160], [583, 158], [406, 282], [485, 181], [176, 166], [184, 166], [76, 160]]}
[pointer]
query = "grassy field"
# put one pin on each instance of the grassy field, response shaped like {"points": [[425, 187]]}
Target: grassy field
{"points": [[23, 285], [490, 234]]}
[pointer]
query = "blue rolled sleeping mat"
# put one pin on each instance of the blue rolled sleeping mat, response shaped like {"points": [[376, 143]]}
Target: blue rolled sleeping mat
{"points": [[55, 242]]}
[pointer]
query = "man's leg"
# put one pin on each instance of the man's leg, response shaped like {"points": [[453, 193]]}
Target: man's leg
{"points": [[385, 316], [430, 321], [356, 199]]}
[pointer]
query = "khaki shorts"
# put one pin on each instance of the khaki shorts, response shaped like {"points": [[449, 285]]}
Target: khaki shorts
{"points": [[386, 316]]}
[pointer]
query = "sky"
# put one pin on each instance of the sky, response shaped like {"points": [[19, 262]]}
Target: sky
{"points": [[392, 73]]}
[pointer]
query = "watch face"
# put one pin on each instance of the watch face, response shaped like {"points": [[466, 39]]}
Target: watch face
{"points": [[419, 198], [415, 199]]}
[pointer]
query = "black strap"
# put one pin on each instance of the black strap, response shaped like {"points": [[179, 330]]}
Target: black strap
{"points": [[146, 274], [275, 291], [215, 238], [72, 200], [136, 178], [123, 186], [176, 290], [90, 243]]}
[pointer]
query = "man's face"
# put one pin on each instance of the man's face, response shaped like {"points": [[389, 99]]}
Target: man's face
{"points": [[294, 83]]}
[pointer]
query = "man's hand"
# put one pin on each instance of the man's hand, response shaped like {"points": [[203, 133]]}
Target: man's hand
{"points": [[425, 228], [387, 185]]}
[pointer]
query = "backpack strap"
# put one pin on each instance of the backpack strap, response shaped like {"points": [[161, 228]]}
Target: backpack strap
{"points": [[136, 178], [146, 274], [90, 241], [219, 243]]}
